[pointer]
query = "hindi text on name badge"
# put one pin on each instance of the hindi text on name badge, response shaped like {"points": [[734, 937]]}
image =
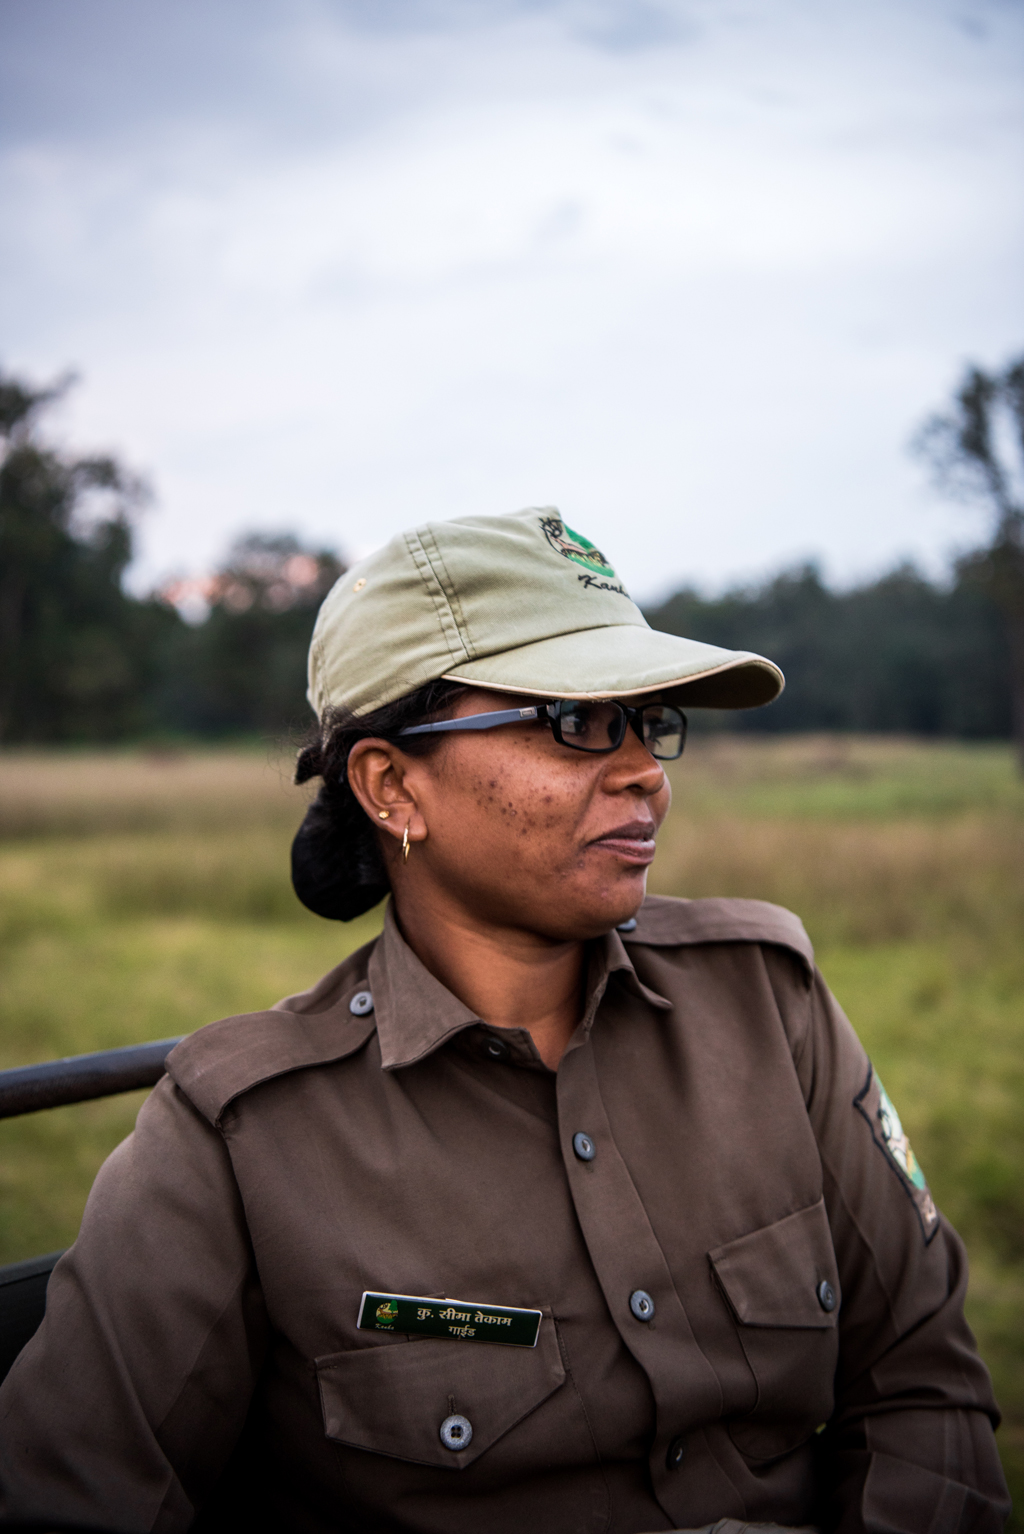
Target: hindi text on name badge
{"points": [[459, 1319]]}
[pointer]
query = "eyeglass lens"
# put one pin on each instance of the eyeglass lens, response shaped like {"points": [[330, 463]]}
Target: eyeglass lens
{"points": [[591, 726], [664, 731], [602, 727]]}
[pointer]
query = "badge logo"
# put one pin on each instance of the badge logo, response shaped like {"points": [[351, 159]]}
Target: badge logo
{"points": [[388, 1312], [878, 1108], [574, 546], [899, 1146]]}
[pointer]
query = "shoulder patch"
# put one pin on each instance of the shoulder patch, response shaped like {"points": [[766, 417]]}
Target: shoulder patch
{"points": [[664, 922], [217, 1064], [874, 1102]]}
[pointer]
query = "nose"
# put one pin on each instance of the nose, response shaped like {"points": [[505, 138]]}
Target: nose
{"points": [[633, 766]]}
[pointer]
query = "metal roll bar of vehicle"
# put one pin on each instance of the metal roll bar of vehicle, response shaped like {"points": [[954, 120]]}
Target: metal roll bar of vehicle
{"points": [[53, 1084]]}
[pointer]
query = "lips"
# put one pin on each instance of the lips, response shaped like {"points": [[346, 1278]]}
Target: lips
{"points": [[633, 842]]}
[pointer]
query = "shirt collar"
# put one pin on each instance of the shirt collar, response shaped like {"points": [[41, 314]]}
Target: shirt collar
{"points": [[416, 1014]]}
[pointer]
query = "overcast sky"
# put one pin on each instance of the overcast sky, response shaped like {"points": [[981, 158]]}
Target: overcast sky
{"points": [[691, 270]]}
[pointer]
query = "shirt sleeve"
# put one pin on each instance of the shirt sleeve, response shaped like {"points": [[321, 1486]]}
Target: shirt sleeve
{"points": [[123, 1410], [910, 1447]]}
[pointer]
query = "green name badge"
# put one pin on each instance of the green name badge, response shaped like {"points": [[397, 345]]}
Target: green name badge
{"points": [[449, 1318]]}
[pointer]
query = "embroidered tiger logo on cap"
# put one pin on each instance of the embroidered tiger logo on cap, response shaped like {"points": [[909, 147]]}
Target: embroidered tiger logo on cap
{"points": [[574, 546]]}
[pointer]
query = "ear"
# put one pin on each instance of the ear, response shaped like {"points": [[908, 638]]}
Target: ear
{"points": [[379, 776]]}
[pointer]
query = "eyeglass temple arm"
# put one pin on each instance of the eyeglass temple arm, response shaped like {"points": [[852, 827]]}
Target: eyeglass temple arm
{"points": [[474, 721]]}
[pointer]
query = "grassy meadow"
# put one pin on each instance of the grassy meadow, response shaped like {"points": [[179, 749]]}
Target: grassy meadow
{"points": [[142, 895]]}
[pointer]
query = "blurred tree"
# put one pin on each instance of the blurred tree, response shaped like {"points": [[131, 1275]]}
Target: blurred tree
{"points": [[243, 669], [76, 653], [976, 451], [898, 654], [82, 660]]}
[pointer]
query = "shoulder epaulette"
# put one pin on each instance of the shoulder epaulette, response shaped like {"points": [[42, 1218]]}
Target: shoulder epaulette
{"points": [[218, 1063], [663, 922]]}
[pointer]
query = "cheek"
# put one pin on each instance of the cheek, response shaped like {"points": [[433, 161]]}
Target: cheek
{"points": [[519, 802], [514, 810]]}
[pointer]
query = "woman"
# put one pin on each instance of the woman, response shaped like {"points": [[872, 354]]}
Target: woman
{"points": [[555, 1207]]}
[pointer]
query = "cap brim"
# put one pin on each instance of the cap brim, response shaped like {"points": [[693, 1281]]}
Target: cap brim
{"points": [[628, 661]]}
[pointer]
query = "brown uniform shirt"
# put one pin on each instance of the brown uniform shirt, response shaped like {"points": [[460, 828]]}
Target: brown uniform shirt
{"points": [[200, 1351]]}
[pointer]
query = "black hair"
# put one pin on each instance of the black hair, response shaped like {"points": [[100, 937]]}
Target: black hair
{"points": [[337, 867]]}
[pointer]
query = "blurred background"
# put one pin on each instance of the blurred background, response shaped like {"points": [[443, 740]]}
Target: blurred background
{"points": [[736, 284]]}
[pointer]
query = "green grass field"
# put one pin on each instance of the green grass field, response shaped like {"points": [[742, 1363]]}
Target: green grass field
{"points": [[143, 895]]}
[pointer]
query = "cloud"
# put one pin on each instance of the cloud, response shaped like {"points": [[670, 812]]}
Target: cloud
{"points": [[691, 271]]}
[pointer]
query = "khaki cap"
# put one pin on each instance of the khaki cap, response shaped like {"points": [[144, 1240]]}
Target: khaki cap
{"points": [[518, 604]]}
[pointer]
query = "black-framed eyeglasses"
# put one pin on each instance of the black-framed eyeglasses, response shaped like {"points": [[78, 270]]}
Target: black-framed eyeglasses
{"points": [[597, 727]]}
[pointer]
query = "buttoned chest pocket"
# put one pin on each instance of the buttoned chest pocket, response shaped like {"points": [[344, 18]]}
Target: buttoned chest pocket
{"points": [[782, 1286], [435, 1402]]}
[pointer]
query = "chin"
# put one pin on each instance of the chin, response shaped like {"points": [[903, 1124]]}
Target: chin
{"points": [[595, 913]]}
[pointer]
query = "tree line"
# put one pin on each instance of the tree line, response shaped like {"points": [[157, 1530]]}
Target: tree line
{"points": [[900, 654], [82, 660]]}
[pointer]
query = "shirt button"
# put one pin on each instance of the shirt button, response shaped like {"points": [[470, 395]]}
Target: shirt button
{"points": [[826, 1295], [456, 1433], [584, 1147], [676, 1453], [495, 1049], [641, 1304], [627, 926], [361, 1003]]}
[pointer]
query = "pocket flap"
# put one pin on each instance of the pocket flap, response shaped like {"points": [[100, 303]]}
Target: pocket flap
{"points": [[783, 1274], [393, 1399]]}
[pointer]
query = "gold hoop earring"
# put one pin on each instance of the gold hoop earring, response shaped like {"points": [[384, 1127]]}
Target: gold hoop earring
{"points": [[383, 814], [405, 843]]}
